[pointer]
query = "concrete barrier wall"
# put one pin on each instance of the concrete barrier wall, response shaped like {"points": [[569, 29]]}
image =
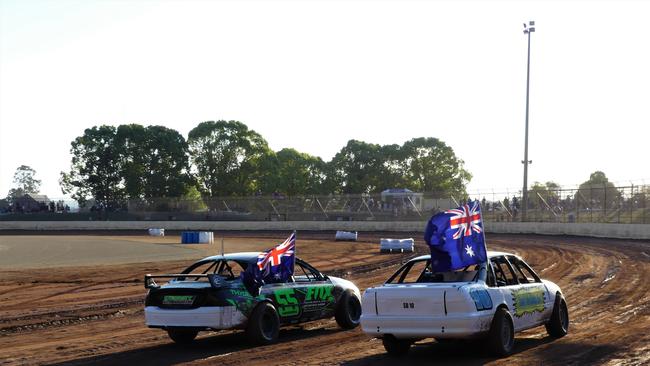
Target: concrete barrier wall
{"points": [[622, 231], [215, 225]]}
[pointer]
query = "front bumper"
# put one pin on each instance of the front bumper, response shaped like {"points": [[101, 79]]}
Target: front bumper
{"points": [[213, 317], [456, 326]]}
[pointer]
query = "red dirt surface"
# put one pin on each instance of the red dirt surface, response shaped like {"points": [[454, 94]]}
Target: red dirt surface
{"points": [[94, 315]]}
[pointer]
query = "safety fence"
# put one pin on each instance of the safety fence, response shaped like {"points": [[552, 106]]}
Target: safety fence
{"points": [[593, 204]]}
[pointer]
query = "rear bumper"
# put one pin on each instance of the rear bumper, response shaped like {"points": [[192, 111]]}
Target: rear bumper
{"points": [[214, 317], [450, 326]]}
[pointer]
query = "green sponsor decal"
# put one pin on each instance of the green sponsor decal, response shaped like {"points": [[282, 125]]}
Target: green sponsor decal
{"points": [[242, 300], [241, 293], [528, 300], [319, 293], [178, 300], [288, 305]]}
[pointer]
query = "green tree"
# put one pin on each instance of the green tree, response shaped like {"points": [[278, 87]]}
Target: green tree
{"points": [[432, 166], [24, 182], [191, 201], [132, 143], [598, 191], [293, 173], [154, 161], [128, 162], [394, 169], [95, 170], [226, 156], [549, 193], [358, 167]]}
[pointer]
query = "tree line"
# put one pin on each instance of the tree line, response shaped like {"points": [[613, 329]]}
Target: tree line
{"points": [[226, 158]]}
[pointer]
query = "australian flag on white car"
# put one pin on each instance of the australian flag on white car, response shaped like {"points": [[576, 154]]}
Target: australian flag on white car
{"points": [[456, 238], [273, 266]]}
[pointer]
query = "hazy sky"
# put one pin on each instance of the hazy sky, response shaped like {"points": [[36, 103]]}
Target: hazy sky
{"points": [[314, 74]]}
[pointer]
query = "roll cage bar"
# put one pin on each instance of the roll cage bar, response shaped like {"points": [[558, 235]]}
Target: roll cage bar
{"points": [[220, 265]]}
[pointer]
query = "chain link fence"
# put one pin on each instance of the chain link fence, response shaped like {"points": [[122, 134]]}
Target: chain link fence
{"points": [[595, 204], [592, 204]]}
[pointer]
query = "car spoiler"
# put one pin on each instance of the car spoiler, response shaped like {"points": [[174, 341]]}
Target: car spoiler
{"points": [[216, 281]]}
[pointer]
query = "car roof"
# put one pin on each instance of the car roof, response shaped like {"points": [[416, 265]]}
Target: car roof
{"points": [[242, 256], [490, 253]]}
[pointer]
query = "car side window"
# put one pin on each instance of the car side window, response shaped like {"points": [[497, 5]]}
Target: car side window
{"points": [[414, 273], [410, 272], [490, 281], [503, 272], [202, 267], [229, 269], [524, 273], [303, 273]]}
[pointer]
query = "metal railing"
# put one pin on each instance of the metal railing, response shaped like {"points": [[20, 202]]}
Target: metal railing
{"points": [[595, 204]]}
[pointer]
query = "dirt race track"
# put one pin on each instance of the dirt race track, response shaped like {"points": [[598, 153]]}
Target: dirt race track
{"points": [[71, 314]]}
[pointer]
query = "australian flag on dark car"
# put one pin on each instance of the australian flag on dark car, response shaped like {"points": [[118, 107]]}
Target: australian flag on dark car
{"points": [[456, 238], [272, 266]]}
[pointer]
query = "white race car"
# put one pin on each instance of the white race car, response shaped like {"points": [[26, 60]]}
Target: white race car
{"points": [[210, 295], [491, 300]]}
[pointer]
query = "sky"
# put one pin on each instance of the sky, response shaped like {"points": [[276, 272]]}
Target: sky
{"points": [[312, 75]]}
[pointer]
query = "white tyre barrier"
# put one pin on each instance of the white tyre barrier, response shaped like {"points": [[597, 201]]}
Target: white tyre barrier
{"points": [[156, 232], [206, 237], [387, 245], [346, 235]]}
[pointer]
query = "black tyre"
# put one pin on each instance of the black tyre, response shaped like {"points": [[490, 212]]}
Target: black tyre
{"points": [[558, 326], [263, 325], [501, 338], [396, 347], [348, 311], [182, 336]]}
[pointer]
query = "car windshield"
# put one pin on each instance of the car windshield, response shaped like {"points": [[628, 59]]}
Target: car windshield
{"points": [[419, 271], [230, 269]]}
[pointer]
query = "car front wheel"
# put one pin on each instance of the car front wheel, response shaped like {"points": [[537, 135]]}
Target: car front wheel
{"points": [[558, 325], [501, 338], [263, 324], [348, 311]]}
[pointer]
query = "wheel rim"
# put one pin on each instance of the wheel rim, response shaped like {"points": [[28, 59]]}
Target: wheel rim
{"points": [[267, 325], [506, 336], [564, 317]]}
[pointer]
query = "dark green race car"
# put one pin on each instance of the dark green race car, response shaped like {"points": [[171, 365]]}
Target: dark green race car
{"points": [[209, 295]]}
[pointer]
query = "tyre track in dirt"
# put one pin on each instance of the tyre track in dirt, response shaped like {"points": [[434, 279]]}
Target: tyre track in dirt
{"points": [[604, 282]]}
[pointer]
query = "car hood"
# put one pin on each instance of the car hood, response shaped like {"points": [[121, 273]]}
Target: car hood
{"points": [[346, 285], [552, 287]]}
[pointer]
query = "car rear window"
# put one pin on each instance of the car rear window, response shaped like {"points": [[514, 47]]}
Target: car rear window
{"points": [[420, 272]]}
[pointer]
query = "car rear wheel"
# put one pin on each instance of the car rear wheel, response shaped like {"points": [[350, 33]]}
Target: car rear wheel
{"points": [[348, 311], [394, 346], [501, 338], [558, 325], [182, 336], [263, 324]]}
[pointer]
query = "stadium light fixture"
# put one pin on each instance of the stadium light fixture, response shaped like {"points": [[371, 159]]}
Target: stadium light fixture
{"points": [[528, 30]]}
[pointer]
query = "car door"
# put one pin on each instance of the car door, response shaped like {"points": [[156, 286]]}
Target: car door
{"points": [[508, 286], [307, 296], [532, 299], [315, 293]]}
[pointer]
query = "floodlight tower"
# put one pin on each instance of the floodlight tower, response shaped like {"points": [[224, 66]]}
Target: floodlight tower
{"points": [[528, 30]]}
